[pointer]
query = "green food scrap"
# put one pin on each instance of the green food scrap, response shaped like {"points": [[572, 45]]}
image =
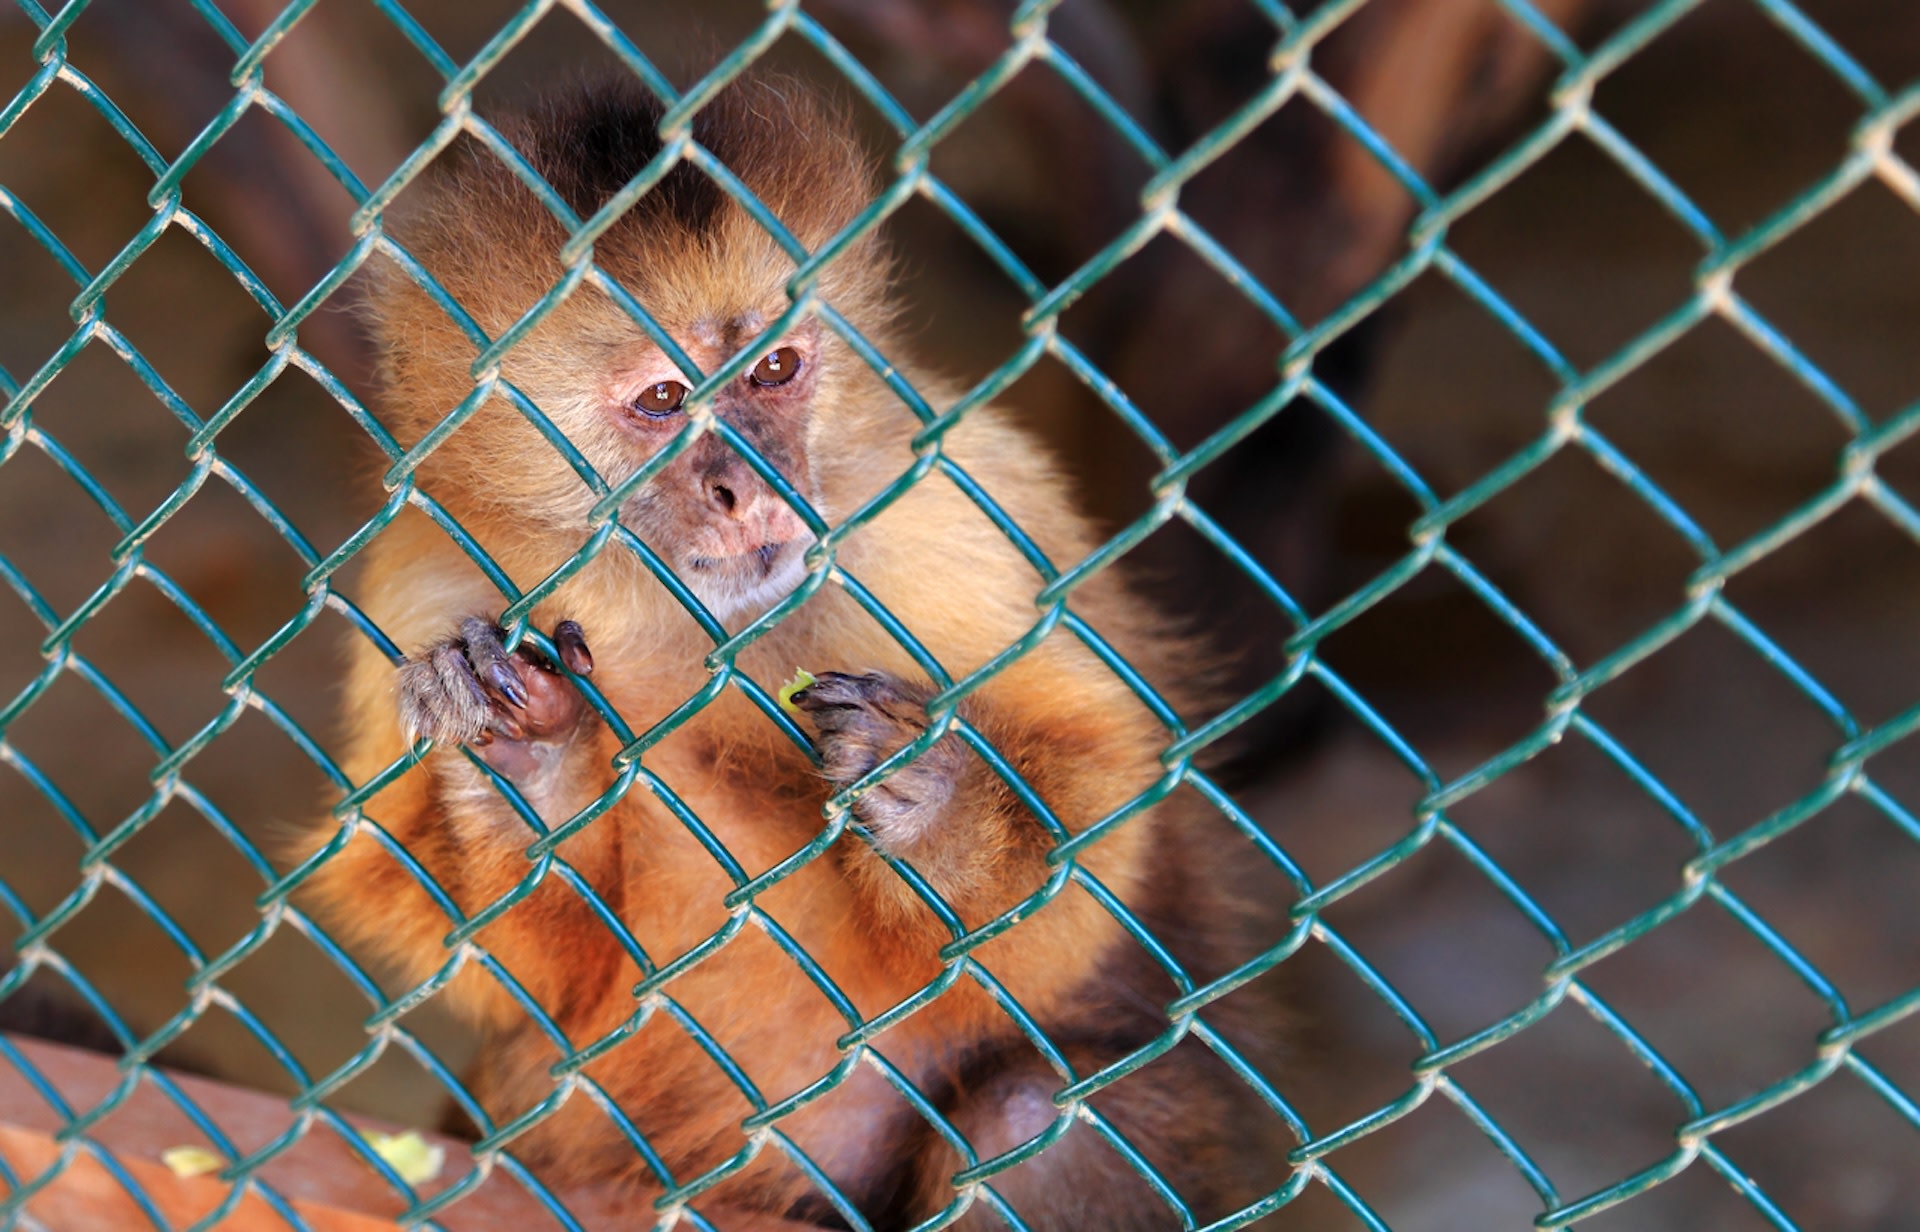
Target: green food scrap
{"points": [[802, 678], [185, 1161], [416, 1160]]}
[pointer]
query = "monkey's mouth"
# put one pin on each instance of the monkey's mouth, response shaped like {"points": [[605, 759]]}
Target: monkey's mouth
{"points": [[745, 583], [755, 562]]}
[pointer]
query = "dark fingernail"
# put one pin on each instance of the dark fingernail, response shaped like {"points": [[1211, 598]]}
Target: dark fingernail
{"points": [[572, 645], [507, 726], [508, 683]]}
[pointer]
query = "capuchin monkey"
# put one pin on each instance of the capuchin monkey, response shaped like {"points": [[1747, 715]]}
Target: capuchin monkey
{"points": [[781, 982]]}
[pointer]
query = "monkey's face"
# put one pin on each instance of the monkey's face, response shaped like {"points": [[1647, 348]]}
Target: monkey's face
{"points": [[710, 276], [721, 526]]}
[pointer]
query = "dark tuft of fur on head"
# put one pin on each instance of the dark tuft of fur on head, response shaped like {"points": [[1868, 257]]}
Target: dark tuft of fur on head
{"points": [[589, 144], [778, 135], [494, 246]]}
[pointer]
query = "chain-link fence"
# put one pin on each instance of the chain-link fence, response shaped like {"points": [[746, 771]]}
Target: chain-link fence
{"points": [[1664, 825]]}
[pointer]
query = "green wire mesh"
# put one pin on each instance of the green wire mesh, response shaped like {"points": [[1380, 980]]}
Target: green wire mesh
{"points": [[1563, 429]]}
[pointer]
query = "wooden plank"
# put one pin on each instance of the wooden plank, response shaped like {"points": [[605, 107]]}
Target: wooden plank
{"points": [[325, 1181]]}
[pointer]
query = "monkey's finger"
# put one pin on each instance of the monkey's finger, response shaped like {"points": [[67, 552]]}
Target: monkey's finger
{"points": [[439, 697], [571, 642], [836, 689], [840, 706], [491, 662], [872, 692], [457, 685], [501, 676]]}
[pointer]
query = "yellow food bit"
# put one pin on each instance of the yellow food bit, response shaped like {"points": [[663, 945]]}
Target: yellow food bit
{"points": [[413, 1157], [185, 1161], [802, 678]]}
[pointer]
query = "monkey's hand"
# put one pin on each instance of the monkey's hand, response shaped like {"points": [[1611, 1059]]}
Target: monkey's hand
{"points": [[862, 720], [515, 710]]}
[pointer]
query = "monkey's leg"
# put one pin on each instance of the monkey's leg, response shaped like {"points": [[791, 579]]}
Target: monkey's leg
{"points": [[1190, 1118], [515, 710]]}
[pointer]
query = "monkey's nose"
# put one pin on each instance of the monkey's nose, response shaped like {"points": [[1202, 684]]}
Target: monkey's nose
{"points": [[721, 497]]}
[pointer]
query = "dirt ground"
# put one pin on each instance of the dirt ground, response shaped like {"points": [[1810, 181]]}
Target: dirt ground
{"points": [[1735, 113]]}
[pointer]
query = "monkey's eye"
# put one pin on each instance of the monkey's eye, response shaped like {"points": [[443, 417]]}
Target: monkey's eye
{"points": [[660, 400], [777, 367]]}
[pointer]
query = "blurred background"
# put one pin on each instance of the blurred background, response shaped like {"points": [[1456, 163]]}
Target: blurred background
{"points": [[1740, 117]]}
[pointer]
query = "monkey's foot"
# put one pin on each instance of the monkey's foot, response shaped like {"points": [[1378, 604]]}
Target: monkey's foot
{"points": [[469, 690], [862, 720]]}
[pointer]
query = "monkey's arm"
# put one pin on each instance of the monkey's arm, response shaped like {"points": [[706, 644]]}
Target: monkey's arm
{"points": [[1171, 1112], [948, 813], [458, 832]]}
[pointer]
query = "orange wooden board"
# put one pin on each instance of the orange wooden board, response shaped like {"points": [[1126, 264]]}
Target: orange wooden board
{"points": [[325, 1181]]}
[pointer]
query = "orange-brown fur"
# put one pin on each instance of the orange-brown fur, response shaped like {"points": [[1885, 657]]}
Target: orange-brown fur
{"points": [[1072, 728]]}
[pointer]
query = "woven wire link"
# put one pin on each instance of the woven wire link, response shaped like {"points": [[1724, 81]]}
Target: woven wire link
{"points": [[1564, 428]]}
